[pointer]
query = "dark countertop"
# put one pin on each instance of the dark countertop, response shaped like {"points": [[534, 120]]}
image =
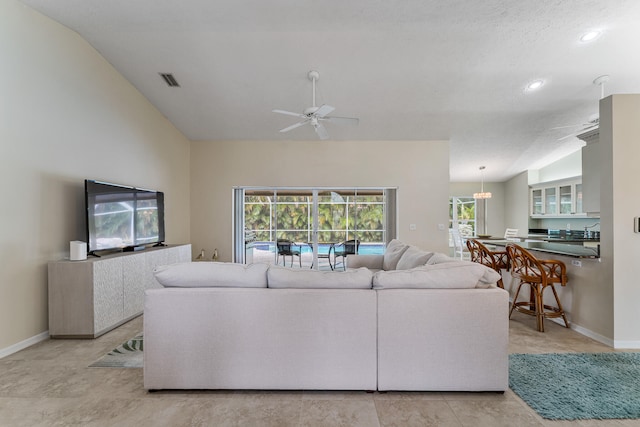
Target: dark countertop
{"points": [[566, 249], [569, 240]]}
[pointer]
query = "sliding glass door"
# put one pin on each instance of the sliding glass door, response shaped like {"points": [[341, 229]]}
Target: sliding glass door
{"points": [[298, 226]]}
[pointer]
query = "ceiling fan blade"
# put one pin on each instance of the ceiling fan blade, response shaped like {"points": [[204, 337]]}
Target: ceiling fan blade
{"points": [[323, 110], [566, 127], [321, 131], [289, 113], [342, 120], [565, 137], [586, 125], [297, 125]]}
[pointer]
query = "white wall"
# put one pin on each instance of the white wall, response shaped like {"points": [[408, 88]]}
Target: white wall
{"points": [[420, 170], [567, 167], [67, 115]]}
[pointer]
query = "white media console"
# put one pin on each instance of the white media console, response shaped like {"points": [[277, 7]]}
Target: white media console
{"points": [[90, 297]]}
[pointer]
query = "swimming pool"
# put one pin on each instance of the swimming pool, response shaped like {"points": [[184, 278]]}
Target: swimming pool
{"points": [[323, 248]]}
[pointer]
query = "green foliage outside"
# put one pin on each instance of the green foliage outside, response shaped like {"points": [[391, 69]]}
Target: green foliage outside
{"points": [[291, 217], [465, 214]]}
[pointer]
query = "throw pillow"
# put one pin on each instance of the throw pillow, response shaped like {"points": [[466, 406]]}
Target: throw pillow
{"points": [[212, 274], [282, 277], [463, 275], [413, 257], [392, 254]]}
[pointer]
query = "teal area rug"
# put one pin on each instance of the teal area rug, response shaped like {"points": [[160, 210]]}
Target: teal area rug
{"points": [[575, 386], [126, 355]]}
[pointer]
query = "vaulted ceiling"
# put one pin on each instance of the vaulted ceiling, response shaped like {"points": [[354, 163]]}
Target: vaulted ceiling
{"points": [[409, 69]]}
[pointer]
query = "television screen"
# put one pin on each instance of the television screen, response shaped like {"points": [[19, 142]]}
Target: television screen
{"points": [[122, 217]]}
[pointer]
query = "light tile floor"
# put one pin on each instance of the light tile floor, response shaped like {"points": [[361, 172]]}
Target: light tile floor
{"points": [[49, 384]]}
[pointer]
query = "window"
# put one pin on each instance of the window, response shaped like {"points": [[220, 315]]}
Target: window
{"points": [[462, 215], [311, 216]]}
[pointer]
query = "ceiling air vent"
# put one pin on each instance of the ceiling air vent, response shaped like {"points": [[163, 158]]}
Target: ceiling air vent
{"points": [[169, 79]]}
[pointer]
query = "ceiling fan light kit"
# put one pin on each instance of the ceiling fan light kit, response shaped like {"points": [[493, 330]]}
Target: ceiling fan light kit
{"points": [[315, 115]]}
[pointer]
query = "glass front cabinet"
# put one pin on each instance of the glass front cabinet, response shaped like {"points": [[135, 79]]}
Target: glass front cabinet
{"points": [[556, 199]]}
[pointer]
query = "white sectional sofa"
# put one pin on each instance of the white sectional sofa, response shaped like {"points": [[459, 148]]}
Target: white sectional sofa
{"points": [[440, 326]]}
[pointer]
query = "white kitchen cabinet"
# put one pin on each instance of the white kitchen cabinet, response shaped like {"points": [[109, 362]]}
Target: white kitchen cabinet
{"points": [[557, 199]]}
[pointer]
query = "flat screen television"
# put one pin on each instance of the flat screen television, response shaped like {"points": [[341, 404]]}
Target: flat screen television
{"points": [[122, 217]]}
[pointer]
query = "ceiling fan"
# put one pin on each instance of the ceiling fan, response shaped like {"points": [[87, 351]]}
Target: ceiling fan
{"points": [[591, 124], [594, 120], [316, 115]]}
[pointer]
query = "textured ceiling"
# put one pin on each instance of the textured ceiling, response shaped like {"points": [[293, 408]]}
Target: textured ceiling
{"points": [[409, 69]]}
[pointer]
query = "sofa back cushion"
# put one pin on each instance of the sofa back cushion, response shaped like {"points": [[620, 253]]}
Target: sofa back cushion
{"points": [[450, 275], [413, 257], [395, 250], [282, 277], [212, 274], [439, 258]]}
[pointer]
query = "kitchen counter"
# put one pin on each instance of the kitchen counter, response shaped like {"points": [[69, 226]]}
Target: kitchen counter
{"points": [[567, 240], [566, 249]]}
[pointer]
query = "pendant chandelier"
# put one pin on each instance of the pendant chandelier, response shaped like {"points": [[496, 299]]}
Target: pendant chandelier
{"points": [[482, 194]]}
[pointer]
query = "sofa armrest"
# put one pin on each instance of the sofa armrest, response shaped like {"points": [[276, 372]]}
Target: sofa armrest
{"points": [[372, 262]]}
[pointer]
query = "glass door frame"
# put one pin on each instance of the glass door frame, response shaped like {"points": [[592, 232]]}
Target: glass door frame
{"points": [[389, 220]]}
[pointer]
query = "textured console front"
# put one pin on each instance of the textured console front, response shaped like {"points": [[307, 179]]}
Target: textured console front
{"points": [[90, 297]]}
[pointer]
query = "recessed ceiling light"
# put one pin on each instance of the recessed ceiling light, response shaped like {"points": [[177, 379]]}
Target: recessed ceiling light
{"points": [[590, 36], [536, 84]]}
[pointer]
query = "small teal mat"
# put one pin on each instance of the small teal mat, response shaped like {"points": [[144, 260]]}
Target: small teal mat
{"points": [[573, 386]]}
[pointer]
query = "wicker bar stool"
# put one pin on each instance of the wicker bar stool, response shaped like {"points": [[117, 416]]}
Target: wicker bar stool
{"points": [[492, 259], [538, 274]]}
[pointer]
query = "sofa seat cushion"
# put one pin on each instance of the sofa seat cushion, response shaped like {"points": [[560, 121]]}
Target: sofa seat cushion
{"points": [[413, 257], [450, 275], [212, 274], [393, 253], [282, 277]]}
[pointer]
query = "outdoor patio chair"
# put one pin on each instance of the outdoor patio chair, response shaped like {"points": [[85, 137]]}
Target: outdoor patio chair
{"points": [[288, 248], [342, 249]]}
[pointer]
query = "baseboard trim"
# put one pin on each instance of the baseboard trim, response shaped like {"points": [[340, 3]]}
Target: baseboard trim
{"points": [[24, 344], [593, 335], [631, 345], [617, 344], [589, 333]]}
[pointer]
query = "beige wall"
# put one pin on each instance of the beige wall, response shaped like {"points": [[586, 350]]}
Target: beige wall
{"points": [[620, 203], [516, 197], [67, 115], [420, 170]]}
